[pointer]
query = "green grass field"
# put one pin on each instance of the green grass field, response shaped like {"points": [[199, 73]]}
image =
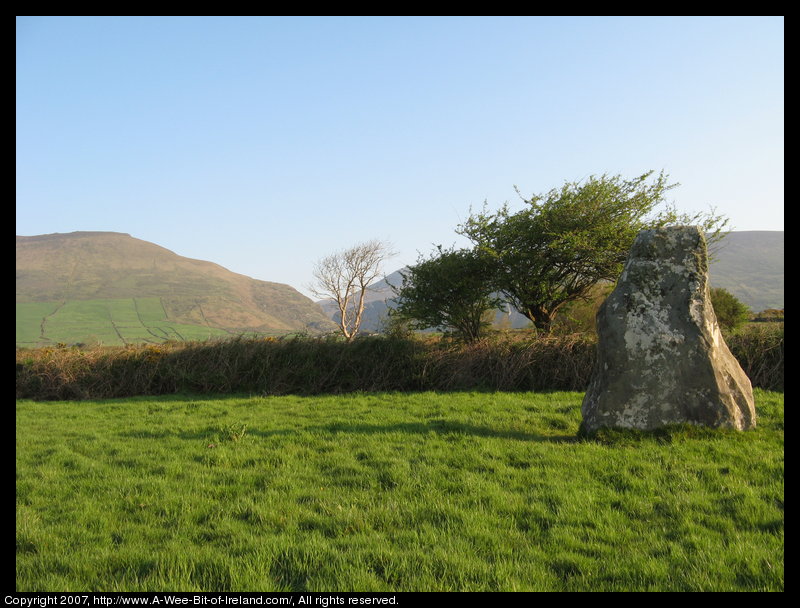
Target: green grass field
{"points": [[111, 322], [30, 317], [390, 492]]}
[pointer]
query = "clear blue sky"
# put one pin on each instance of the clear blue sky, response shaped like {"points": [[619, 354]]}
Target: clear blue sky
{"points": [[263, 144]]}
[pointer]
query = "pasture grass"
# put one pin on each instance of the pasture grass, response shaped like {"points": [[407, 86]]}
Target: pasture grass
{"points": [[30, 317], [390, 492], [111, 322]]}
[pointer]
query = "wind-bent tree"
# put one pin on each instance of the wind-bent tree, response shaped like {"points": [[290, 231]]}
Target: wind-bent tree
{"points": [[564, 242], [451, 290], [344, 277]]}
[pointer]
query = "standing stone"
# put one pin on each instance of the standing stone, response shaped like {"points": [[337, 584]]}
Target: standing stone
{"points": [[661, 358]]}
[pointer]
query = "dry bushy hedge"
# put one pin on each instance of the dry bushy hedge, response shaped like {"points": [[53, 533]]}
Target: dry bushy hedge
{"points": [[759, 349], [312, 366]]}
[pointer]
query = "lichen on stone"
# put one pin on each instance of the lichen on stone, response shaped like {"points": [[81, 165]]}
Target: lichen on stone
{"points": [[661, 356]]}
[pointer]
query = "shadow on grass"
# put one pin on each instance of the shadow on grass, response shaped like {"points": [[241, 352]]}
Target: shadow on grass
{"points": [[437, 427], [433, 427], [672, 433], [446, 428]]}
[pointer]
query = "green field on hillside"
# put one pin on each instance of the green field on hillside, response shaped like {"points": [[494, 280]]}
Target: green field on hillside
{"points": [[112, 322], [390, 492]]}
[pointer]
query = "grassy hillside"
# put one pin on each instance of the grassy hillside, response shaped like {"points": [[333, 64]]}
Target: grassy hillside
{"points": [[110, 322], [390, 492], [112, 288]]}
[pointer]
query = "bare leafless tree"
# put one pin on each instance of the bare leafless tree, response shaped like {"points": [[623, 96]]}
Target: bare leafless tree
{"points": [[344, 277]]}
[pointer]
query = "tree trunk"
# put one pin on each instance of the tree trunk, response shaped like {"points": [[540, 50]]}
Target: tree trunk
{"points": [[541, 318]]}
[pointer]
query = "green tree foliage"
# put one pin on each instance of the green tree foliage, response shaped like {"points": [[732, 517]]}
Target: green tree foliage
{"points": [[563, 242], [731, 312], [579, 316], [452, 289]]}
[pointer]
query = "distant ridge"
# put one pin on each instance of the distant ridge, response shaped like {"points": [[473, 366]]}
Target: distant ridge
{"points": [[73, 269], [59, 236], [749, 264]]}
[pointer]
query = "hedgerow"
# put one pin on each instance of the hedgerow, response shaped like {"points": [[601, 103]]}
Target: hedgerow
{"points": [[304, 365]]}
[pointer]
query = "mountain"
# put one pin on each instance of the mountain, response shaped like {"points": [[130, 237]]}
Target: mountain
{"points": [[749, 264], [136, 289]]}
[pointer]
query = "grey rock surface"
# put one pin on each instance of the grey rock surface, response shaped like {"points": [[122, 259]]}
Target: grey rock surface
{"points": [[661, 357]]}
